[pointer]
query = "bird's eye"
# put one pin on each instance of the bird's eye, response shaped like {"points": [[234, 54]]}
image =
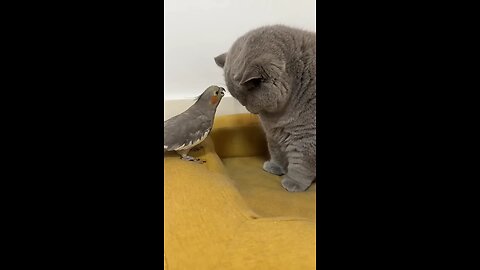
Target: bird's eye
{"points": [[216, 93]]}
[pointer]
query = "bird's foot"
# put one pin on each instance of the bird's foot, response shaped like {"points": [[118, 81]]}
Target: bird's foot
{"points": [[189, 158]]}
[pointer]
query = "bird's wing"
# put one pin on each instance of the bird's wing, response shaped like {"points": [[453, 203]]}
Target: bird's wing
{"points": [[185, 130]]}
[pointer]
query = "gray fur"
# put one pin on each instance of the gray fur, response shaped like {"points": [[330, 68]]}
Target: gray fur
{"points": [[272, 72], [193, 125]]}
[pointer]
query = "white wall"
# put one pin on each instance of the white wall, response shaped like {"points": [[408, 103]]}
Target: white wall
{"points": [[198, 30]]}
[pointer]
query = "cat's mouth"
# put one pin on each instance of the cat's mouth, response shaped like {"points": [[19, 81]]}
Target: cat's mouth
{"points": [[249, 108], [252, 110], [242, 101]]}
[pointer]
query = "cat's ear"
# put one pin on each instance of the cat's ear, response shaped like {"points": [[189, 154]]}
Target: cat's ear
{"points": [[263, 68], [220, 60], [250, 73]]}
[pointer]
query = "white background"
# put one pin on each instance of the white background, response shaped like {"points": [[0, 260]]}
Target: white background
{"points": [[198, 30]]}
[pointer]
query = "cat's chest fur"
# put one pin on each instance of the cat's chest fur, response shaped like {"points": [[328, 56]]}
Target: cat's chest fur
{"points": [[291, 128], [281, 129]]}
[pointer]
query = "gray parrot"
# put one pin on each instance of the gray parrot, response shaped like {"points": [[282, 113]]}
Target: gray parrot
{"points": [[188, 129]]}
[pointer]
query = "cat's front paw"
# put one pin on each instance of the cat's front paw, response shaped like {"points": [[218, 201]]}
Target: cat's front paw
{"points": [[292, 185], [273, 168]]}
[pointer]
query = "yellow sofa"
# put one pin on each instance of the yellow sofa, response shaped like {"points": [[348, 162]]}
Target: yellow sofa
{"points": [[228, 213]]}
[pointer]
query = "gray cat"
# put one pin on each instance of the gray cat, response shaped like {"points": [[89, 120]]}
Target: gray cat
{"points": [[272, 72]]}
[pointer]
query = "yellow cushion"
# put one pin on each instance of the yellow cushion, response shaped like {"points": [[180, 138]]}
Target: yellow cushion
{"points": [[230, 214]]}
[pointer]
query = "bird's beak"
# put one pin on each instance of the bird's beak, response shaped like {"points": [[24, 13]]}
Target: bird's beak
{"points": [[222, 92]]}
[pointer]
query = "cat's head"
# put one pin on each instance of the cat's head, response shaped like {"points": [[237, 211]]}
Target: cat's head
{"points": [[256, 78]]}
